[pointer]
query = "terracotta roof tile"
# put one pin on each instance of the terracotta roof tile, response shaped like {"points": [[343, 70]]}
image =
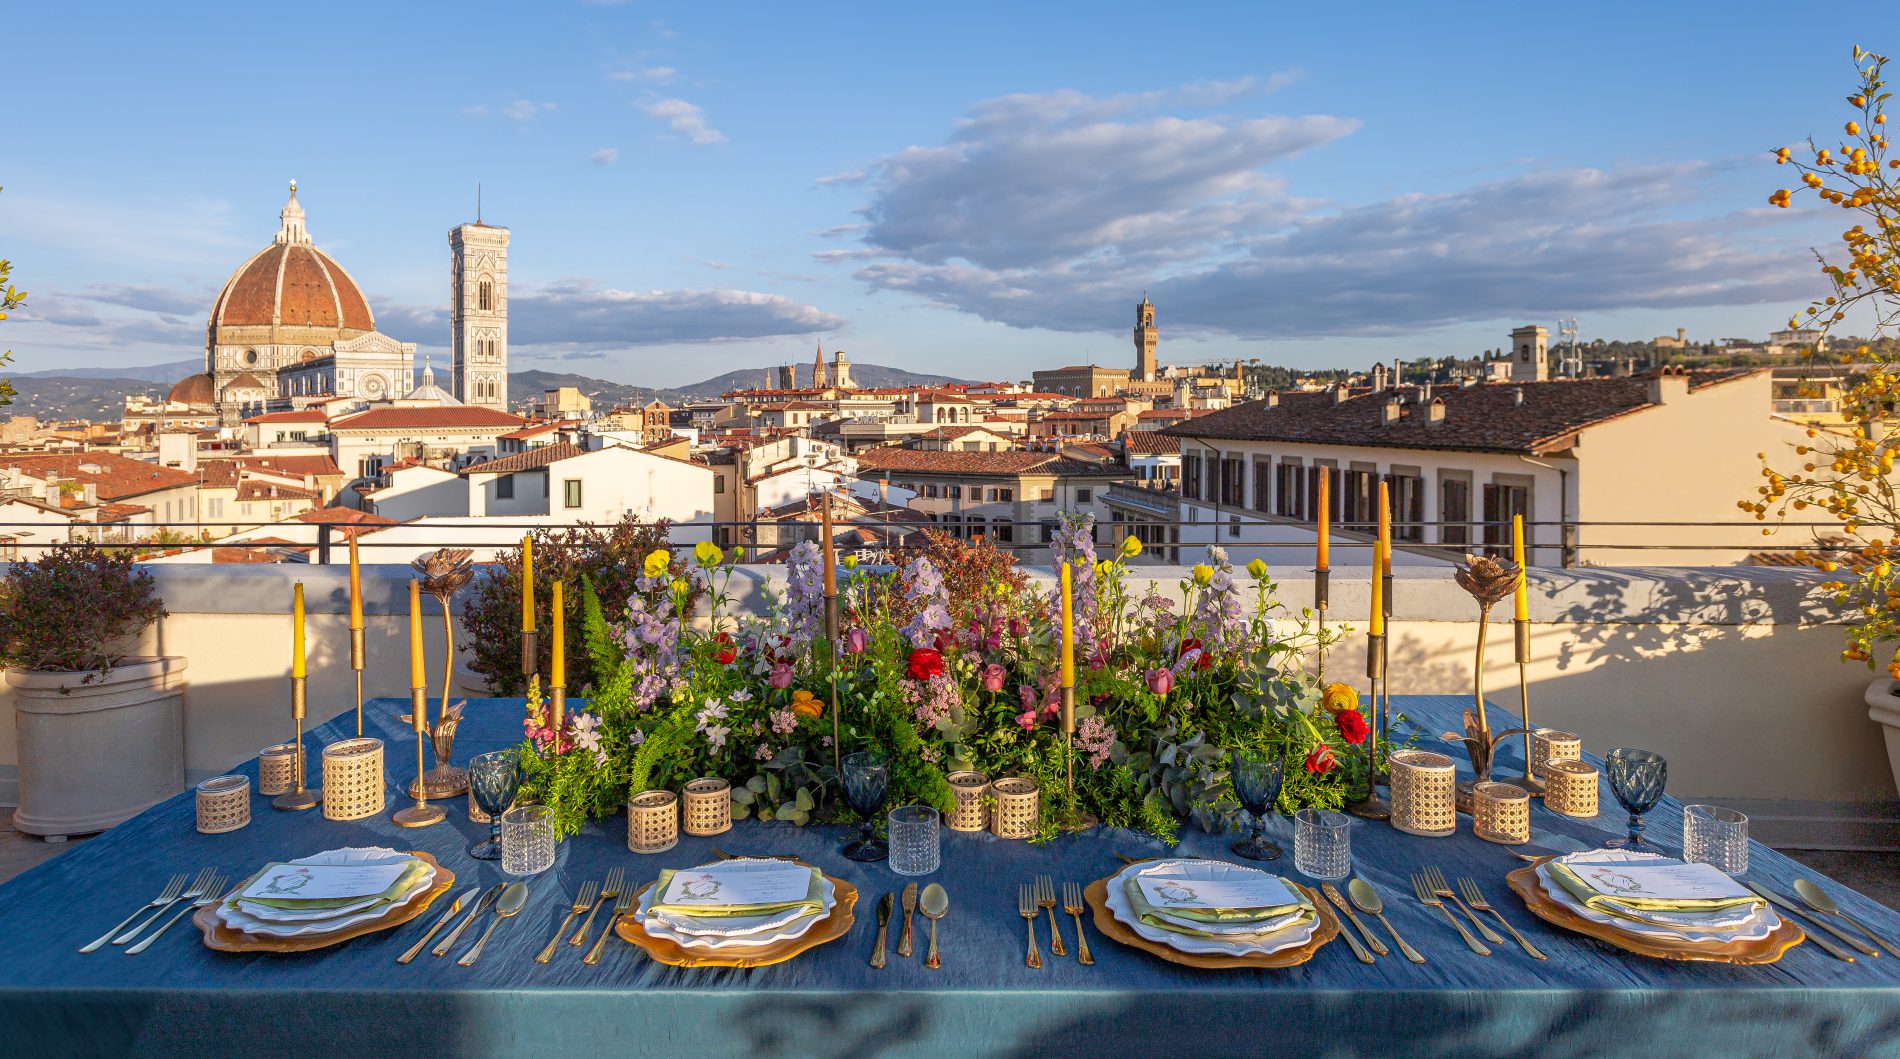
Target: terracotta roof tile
{"points": [[459, 417], [116, 476], [1150, 443], [531, 460]]}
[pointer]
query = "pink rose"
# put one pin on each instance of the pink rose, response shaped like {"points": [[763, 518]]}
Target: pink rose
{"points": [[993, 677], [781, 677], [1160, 681], [855, 641], [1027, 719]]}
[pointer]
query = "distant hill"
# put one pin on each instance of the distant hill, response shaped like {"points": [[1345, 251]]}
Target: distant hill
{"points": [[166, 374], [70, 397], [871, 375]]}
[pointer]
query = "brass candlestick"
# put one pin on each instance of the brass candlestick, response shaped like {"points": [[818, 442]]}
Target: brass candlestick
{"points": [[1530, 782], [530, 653], [299, 796], [356, 664], [1075, 819], [421, 814], [557, 713], [1321, 584], [1384, 726], [831, 643], [1373, 806]]}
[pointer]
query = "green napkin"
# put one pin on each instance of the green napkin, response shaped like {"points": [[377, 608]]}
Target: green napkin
{"points": [[403, 882], [813, 902], [1148, 914], [1593, 898]]}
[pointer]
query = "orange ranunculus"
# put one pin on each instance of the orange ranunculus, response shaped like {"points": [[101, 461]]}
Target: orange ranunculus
{"points": [[805, 704], [1338, 697]]}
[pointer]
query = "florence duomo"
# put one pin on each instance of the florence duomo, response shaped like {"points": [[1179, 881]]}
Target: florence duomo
{"points": [[291, 329]]}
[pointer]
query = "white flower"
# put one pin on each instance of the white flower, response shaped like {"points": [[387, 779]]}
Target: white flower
{"points": [[742, 695], [636, 738], [716, 736]]}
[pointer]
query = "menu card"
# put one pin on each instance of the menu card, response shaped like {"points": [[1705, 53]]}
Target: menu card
{"points": [[711, 888], [323, 882], [1237, 892]]}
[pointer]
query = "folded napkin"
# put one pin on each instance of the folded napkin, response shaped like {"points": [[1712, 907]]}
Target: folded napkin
{"points": [[1205, 900], [1630, 888], [413, 870], [1194, 921], [703, 895]]}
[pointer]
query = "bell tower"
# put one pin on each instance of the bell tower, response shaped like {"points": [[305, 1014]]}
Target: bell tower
{"points": [[478, 315], [1147, 336]]}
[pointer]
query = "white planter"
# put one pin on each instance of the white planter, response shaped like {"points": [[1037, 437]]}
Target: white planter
{"points": [[470, 684], [95, 754], [1884, 706]]}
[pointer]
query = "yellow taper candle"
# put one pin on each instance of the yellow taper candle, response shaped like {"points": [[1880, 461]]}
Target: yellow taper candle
{"points": [[1324, 560], [296, 631], [356, 587], [557, 669], [1523, 601], [1385, 528], [527, 584], [831, 555], [416, 679], [1377, 627], [1068, 630]]}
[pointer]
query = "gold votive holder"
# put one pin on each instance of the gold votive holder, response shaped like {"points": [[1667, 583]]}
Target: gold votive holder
{"points": [[707, 806], [353, 786], [1501, 813], [1548, 745], [653, 821], [224, 804], [1018, 809], [276, 769], [1570, 788], [971, 813], [1424, 793]]}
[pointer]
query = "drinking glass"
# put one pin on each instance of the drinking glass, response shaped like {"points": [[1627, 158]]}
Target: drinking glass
{"points": [[1714, 835], [527, 840], [493, 779], [1636, 778], [1322, 845], [866, 776], [1257, 779], [914, 838]]}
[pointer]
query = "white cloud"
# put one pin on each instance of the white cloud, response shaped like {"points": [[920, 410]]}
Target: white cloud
{"points": [[658, 75], [686, 119], [605, 156], [525, 110], [577, 313]]}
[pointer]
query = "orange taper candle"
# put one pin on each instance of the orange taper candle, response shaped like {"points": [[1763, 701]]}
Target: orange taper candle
{"points": [[1377, 628], [557, 669], [1523, 593], [1325, 552], [416, 679], [527, 584], [1385, 528], [1068, 630], [831, 556], [296, 631], [356, 587]]}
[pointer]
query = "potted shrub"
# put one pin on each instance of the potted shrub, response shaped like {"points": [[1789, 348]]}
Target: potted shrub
{"points": [[101, 733]]}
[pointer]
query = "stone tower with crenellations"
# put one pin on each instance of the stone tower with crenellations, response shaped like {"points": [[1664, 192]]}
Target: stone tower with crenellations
{"points": [[1147, 337], [478, 317]]}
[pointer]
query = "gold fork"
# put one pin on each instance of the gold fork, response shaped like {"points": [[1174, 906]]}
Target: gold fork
{"points": [[1426, 896], [608, 891], [1475, 898], [1046, 897], [165, 897], [1072, 904], [211, 894], [1436, 880], [1026, 907], [191, 893], [621, 908], [582, 902]]}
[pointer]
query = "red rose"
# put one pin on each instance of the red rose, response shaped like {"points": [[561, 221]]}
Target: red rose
{"points": [[727, 651], [1186, 646], [1352, 726], [925, 663], [1321, 760]]}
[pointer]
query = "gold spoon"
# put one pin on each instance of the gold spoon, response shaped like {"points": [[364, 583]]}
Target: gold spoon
{"points": [[511, 901], [1372, 904], [1824, 902], [934, 904]]}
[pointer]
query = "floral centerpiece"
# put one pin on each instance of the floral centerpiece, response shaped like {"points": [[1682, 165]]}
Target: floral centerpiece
{"points": [[949, 662]]}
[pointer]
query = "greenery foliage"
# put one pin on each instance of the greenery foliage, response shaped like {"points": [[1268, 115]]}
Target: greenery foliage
{"points": [[77, 609]]}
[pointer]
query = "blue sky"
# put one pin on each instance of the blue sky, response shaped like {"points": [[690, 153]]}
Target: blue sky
{"points": [[980, 190]]}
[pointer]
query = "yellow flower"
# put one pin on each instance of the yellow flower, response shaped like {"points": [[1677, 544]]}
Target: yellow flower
{"points": [[805, 704], [682, 586], [1105, 568], [1203, 573], [1131, 547], [1258, 568], [738, 554], [658, 560], [1338, 698], [708, 553], [849, 562]]}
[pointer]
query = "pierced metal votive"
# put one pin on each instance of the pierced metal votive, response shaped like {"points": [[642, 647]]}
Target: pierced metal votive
{"points": [[1501, 813], [653, 821], [707, 806], [971, 814], [1570, 788], [1548, 745], [353, 785], [276, 769], [1423, 793], [1018, 811], [224, 804]]}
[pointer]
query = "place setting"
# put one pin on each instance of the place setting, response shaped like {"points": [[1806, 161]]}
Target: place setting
{"points": [[323, 899], [737, 912]]}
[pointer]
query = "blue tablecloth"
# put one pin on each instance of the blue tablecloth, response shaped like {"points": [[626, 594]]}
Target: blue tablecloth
{"points": [[181, 998]]}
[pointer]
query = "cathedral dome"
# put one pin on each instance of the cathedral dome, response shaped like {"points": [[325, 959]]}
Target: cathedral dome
{"points": [[193, 390], [427, 390], [291, 283]]}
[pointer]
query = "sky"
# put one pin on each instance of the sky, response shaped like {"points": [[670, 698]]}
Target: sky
{"points": [[979, 191]]}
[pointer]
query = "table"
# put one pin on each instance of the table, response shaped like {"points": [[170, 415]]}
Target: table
{"points": [[180, 998]]}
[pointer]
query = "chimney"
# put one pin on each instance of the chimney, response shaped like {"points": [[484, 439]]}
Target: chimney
{"points": [[1340, 393], [1465, 382], [1517, 395], [1668, 384], [1273, 398], [1389, 412], [1378, 378], [1435, 412], [90, 494], [1425, 392], [1398, 374], [884, 489]]}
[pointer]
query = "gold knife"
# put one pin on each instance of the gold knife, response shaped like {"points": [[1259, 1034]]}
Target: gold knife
{"points": [[1332, 894], [454, 907], [1352, 940], [1788, 906], [910, 905], [883, 929]]}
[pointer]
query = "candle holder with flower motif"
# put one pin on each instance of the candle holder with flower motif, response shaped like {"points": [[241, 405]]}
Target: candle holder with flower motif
{"points": [[445, 572], [1488, 580]]}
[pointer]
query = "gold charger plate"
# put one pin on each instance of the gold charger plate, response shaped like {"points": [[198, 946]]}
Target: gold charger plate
{"points": [[1115, 930], [1760, 950], [667, 951], [223, 938]]}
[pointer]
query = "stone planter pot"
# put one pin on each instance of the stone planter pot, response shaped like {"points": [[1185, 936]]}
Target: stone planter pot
{"points": [[1884, 706], [94, 754]]}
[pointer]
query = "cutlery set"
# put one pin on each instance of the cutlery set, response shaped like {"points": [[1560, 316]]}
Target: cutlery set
{"points": [[504, 899], [1038, 896], [933, 902], [205, 889]]}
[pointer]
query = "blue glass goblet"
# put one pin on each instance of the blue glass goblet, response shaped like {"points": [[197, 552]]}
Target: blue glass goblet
{"points": [[493, 778], [1257, 779], [1636, 778], [867, 774]]}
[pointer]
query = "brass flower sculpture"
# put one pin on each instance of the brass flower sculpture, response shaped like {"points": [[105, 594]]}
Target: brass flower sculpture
{"points": [[444, 572], [1489, 581]]}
